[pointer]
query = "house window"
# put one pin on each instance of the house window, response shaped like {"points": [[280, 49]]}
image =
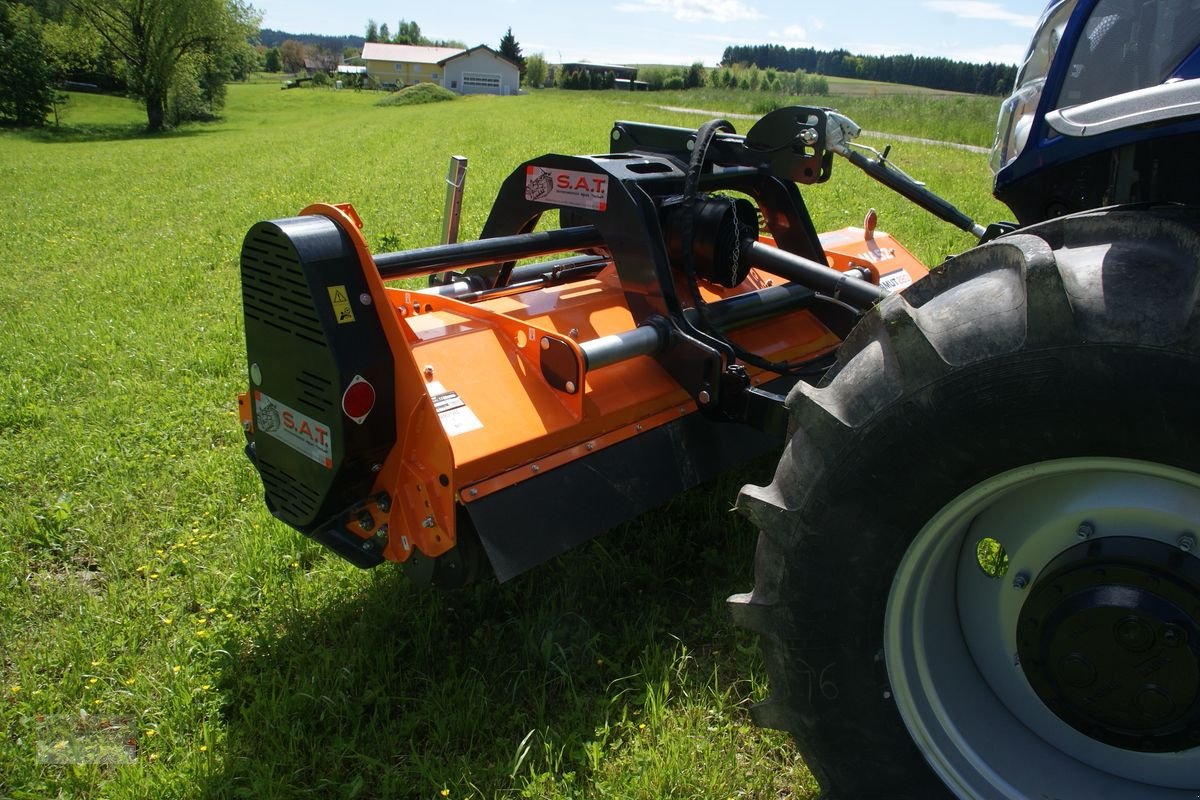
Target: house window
{"points": [[481, 80], [435, 76], [398, 67]]}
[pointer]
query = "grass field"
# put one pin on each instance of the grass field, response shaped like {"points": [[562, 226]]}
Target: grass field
{"points": [[146, 587]]}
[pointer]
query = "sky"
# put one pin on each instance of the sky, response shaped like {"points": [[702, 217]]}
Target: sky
{"points": [[684, 31]]}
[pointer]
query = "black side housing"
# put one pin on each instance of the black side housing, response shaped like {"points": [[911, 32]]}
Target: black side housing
{"points": [[299, 275]]}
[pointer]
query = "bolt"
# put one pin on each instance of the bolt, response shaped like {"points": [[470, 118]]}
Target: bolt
{"points": [[376, 467], [573, 333], [383, 501], [704, 397], [256, 374], [534, 468], [1187, 542], [591, 445], [365, 299], [429, 372], [365, 521], [638, 427], [809, 136], [545, 344], [1021, 580], [1085, 531], [404, 543], [427, 522], [473, 493], [616, 134], [570, 387]]}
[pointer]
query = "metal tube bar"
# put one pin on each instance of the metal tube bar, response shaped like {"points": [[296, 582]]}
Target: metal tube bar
{"points": [[483, 252], [728, 314], [816, 276], [640, 341]]}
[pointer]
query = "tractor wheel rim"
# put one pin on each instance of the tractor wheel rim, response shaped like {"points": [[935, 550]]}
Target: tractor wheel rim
{"points": [[976, 689]]}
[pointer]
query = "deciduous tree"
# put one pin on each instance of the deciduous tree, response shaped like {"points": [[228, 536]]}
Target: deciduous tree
{"points": [[154, 36], [25, 93], [292, 53], [535, 71]]}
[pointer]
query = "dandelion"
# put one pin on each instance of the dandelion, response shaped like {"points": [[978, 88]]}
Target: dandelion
{"points": [[153, 576], [444, 792], [167, 620], [15, 688], [200, 634], [642, 727], [93, 681], [202, 620], [97, 702], [159, 552], [154, 756], [151, 732], [96, 663], [141, 568], [228, 615], [130, 681], [293, 565], [212, 610], [206, 687], [203, 748], [175, 669]]}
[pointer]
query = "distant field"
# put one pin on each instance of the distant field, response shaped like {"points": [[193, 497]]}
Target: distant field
{"points": [[145, 584]]}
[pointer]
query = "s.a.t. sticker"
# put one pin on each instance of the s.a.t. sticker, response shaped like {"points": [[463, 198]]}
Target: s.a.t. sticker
{"points": [[566, 187]]}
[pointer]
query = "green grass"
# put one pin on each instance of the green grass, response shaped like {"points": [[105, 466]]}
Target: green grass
{"points": [[145, 584]]}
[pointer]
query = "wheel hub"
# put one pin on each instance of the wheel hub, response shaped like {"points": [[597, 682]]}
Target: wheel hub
{"points": [[1109, 639]]}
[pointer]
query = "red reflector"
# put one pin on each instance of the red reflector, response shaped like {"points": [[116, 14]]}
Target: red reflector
{"points": [[358, 399]]}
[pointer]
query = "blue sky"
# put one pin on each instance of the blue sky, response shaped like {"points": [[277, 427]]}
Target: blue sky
{"points": [[683, 31]]}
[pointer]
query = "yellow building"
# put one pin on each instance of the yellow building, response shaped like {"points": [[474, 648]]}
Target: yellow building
{"points": [[405, 64]]}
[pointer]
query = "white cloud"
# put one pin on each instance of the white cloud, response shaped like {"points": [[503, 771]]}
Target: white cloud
{"points": [[972, 9], [693, 10], [791, 36]]}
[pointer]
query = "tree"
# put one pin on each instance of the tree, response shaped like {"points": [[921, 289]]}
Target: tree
{"points": [[372, 31], [385, 35], [409, 33], [273, 62], [535, 71], [155, 36], [292, 53], [512, 51], [25, 92], [694, 77]]}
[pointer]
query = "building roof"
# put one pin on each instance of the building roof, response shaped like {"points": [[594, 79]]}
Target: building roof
{"points": [[464, 53], [408, 53]]}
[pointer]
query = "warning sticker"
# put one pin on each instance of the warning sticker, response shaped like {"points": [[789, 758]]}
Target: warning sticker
{"points": [[895, 280], [454, 413], [341, 304], [566, 188], [297, 430]]}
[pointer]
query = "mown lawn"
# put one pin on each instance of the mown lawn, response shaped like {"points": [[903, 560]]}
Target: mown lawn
{"points": [[146, 588]]}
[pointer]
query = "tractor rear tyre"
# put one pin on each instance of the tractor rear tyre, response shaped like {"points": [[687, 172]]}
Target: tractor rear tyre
{"points": [[978, 573]]}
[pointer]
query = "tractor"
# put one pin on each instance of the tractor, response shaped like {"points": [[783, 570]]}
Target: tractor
{"points": [[977, 572]]}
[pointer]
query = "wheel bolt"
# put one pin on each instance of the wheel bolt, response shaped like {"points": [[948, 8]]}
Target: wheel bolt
{"points": [[1187, 542], [1021, 580], [1085, 531]]}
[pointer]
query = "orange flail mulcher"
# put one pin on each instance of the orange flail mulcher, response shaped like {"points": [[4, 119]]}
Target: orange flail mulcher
{"points": [[526, 404]]}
